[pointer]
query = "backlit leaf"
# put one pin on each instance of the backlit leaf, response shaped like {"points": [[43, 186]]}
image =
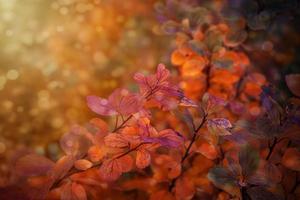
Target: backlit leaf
{"points": [[116, 140], [219, 126]]}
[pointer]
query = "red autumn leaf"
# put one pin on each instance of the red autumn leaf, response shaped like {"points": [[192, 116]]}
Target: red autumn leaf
{"points": [[112, 169], [143, 158], [293, 82], [291, 159], [219, 126], [33, 165], [82, 164], [121, 101], [116, 141]]}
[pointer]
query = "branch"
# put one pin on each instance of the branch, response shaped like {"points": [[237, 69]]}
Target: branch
{"points": [[187, 152], [271, 148]]}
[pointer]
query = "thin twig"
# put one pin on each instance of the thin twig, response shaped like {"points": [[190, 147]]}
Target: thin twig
{"points": [[187, 151], [271, 148]]}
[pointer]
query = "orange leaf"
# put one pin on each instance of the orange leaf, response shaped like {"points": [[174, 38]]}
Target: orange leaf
{"points": [[184, 189], [143, 158], [83, 164], [207, 149], [95, 154]]}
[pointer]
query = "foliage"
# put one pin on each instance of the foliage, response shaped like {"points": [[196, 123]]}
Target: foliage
{"points": [[223, 132]]}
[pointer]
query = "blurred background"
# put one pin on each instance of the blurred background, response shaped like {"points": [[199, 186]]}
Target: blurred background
{"points": [[53, 53]]}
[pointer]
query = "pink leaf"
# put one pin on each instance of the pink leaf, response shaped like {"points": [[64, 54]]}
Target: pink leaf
{"points": [[100, 106], [33, 165], [162, 73], [143, 158], [159, 89], [219, 126], [124, 102], [212, 104], [170, 138], [293, 82]]}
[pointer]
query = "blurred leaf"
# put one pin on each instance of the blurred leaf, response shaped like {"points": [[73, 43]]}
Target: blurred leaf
{"points": [[221, 176], [273, 173], [260, 193], [293, 83], [170, 27], [225, 64], [249, 160], [75, 142], [198, 16], [184, 189], [235, 38], [33, 165], [291, 159], [260, 21], [198, 46]]}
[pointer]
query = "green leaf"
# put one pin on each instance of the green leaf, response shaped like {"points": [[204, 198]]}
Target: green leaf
{"points": [[249, 160], [221, 176]]}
